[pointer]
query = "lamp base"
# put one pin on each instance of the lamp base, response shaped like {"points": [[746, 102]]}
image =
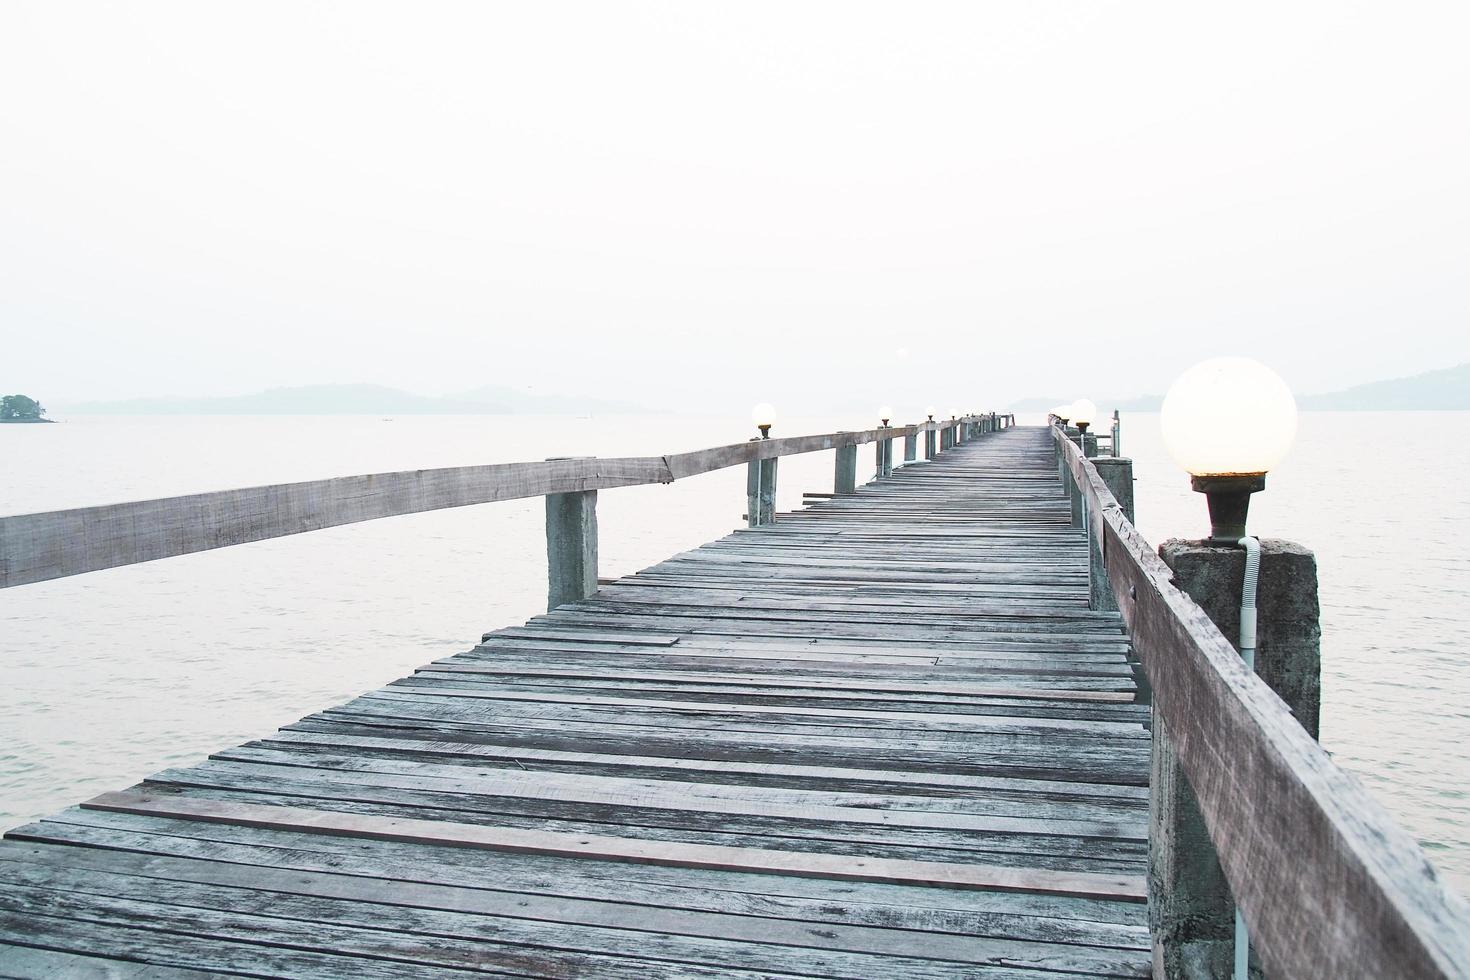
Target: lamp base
{"points": [[1229, 499]]}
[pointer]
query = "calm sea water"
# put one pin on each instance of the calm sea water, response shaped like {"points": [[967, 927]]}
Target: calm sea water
{"points": [[114, 675]]}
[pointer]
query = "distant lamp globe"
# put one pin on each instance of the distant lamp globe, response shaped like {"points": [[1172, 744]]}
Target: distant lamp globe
{"points": [[764, 416], [1227, 422], [1063, 414], [885, 412], [930, 411], [1083, 414]]}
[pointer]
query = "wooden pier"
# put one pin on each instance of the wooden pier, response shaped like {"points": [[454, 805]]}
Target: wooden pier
{"points": [[882, 736]]}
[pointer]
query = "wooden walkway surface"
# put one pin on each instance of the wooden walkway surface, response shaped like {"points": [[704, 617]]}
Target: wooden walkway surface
{"points": [[884, 737]]}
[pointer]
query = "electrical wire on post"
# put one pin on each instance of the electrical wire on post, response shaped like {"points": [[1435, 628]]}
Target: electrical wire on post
{"points": [[1248, 654]]}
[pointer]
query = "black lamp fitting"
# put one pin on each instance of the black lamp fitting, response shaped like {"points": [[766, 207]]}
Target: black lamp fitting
{"points": [[1229, 499]]}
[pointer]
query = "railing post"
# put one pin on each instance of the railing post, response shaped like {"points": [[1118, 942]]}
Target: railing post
{"points": [[753, 492], [571, 547], [1118, 475], [911, 447], [928, 443], [1191, 911], [845, 478], [888, 455], [1074, 495], [768, 491]]}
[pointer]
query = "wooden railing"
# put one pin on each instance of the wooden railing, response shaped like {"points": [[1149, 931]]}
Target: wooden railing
{"points": [[38, 547], [1329, 885]]}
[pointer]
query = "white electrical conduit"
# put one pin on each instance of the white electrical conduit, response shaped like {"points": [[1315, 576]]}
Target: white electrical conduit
{"points": [[1248, 654]]}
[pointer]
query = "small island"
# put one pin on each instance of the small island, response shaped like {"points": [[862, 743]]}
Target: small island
{"points": [[21, 408]]}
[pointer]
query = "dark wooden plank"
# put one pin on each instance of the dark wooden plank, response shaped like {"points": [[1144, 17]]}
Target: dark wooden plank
{"points": [[627, 849]]}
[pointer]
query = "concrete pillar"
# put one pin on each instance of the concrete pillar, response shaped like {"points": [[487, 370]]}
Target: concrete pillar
{"points": [[887, 457], [1074, 496], [753, 493], [911, 448], [768, 491], [929, 444], [571, 547], [1191, 912], [1088, 441], [1118, 475], [1288, 617], [845, 478]]}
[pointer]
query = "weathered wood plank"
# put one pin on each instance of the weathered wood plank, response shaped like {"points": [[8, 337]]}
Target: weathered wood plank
{"points": [[589, 846]]}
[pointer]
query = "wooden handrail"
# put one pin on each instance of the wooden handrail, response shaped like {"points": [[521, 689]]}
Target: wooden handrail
{"points": [[55, 544], [1329, 884]]}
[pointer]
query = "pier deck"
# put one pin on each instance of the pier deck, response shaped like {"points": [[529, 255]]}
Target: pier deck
{"points": [[883, 737]]}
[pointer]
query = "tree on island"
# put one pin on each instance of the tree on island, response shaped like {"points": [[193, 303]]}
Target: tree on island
{"points": [[20, 407]]}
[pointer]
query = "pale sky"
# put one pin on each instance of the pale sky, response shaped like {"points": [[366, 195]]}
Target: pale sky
{"points": [[708, 205]]}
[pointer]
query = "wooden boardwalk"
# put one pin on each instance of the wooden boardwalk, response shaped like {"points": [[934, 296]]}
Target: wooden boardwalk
{"points": [[883, 737]]}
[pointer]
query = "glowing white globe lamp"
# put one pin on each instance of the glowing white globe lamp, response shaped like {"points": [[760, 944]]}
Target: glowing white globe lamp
{"points": [[1063, 414], [1228, 421], [764, 416], [1084, 413], [930, 411], [885, 412]]}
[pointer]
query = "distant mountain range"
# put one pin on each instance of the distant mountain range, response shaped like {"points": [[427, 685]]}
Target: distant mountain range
{"points": [[361, 400], [1446, 390]]}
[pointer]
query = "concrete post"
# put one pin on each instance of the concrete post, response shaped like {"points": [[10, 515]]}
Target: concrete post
{"points": [[911, 447], [888, 457], [1191, 912], [929, 444], [767, 509], [845, 478], [1088, 441], [1289, 628], [1074, 495], [571, 547], [1118, 475], [753, 492]]}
